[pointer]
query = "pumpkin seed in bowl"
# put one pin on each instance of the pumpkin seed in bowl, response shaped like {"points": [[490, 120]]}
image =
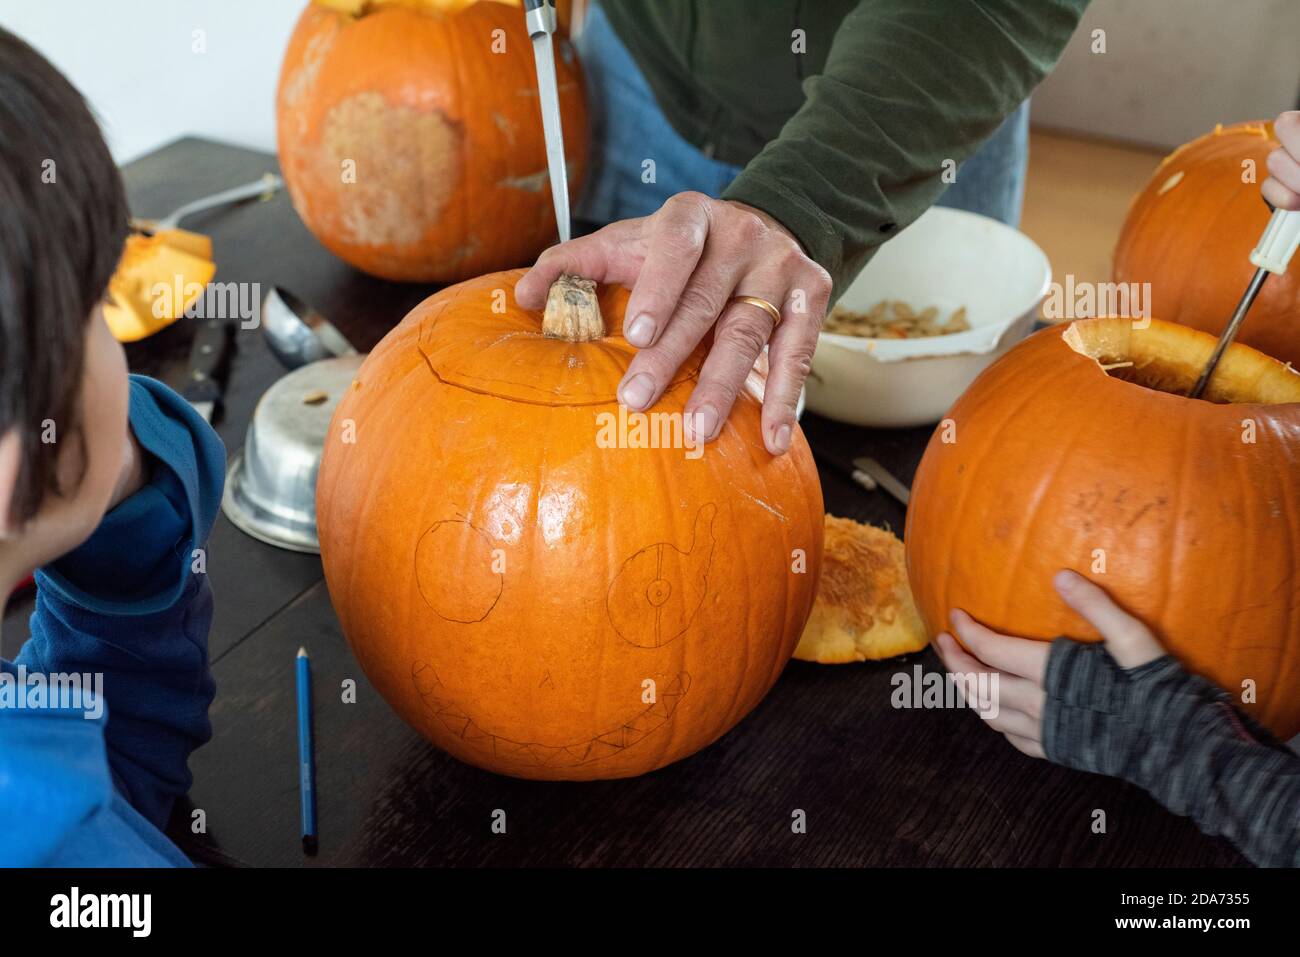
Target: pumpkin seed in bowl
{"points": [[894, 320]]}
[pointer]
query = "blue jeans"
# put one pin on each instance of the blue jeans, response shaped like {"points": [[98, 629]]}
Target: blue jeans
{"points": [[629, 132]]}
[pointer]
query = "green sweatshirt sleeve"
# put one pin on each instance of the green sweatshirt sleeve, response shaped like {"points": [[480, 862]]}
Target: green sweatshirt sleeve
{"points": [[907, 85]]}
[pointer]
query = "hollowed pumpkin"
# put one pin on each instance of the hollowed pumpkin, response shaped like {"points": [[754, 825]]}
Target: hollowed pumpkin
{"points": [[410, 136], [1074, 451], [1189, 233], [532, 597]]}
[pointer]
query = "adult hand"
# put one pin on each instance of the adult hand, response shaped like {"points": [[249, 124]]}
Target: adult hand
{"points": [[1282, 188], [1021, 663], [684, 264]]}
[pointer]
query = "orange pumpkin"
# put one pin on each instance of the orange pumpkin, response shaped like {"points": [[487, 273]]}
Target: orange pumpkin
{"points": [[527, 587], [1186, 511], [1189, 233], [411, 140]]}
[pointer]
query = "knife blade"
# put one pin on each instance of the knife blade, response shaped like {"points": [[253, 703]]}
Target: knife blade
{"points": [[882, 477], [1271, 255], [209, 361], [539, 15]]}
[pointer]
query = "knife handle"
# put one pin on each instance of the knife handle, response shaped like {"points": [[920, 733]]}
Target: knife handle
{"points": [[209, 355], [540, 17]]}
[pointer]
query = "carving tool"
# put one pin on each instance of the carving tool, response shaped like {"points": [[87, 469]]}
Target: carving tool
{"points": [[1272, 255], [540, 18], [263, 187], [870, 474], [209, 361], [306, 755]]}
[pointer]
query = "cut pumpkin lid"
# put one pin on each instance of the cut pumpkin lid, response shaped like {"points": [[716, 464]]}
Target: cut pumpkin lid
{"points": [[504, 353], [360, 8]]}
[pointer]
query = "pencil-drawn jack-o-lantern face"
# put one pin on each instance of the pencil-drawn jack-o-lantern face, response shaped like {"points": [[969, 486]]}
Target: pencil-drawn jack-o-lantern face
{"points": [[531, 599]]}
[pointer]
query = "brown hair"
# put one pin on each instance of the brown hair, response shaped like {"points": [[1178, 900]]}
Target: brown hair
{"points": [[63, 222]]}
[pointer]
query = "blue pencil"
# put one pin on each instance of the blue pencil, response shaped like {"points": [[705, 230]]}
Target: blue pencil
{"points": [[306, 755]]}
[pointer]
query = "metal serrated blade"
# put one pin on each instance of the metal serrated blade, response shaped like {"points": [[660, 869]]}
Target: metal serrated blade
{"points": [[549, 96]]}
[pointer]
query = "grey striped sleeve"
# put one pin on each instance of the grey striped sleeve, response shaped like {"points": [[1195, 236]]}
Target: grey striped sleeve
{"points": [[1178, 737]]}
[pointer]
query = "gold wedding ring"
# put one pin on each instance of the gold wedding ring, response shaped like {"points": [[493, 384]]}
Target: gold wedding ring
{"points": [[763, 304]]}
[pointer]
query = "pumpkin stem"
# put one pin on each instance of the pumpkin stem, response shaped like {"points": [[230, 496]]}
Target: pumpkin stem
{"points": [[572, 311]]}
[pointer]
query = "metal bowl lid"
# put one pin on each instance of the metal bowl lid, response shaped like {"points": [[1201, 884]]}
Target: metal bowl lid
{"points": [[271, 484]]}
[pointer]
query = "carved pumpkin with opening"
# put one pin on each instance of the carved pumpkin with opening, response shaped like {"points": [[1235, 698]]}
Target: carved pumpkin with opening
{"points": [[1079, 449]]}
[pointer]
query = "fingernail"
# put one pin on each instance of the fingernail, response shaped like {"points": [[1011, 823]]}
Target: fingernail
{"points": [[1066, 579], [636, 393], [703, 421], [781, 440], [642, 331], [955, 616]]}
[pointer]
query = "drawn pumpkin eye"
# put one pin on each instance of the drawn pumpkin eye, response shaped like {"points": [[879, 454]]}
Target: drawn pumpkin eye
{"points": [[455, 572], [660, 588]]}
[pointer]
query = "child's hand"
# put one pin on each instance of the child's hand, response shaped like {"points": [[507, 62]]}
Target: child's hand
{"points": [[1282, 188], [1021, 662]]}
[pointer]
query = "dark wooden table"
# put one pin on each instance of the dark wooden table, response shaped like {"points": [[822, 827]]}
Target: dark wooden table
{"points": [[878, 786]]}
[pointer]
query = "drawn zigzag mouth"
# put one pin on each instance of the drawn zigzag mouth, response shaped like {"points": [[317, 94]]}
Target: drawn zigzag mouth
{"points": [[534, 754]]}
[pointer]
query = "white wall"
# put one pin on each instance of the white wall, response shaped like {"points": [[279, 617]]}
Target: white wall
{"points": [[135, 60], [1174, 68]]}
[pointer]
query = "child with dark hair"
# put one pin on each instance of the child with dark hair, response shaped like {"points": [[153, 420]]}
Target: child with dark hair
{"points": [[109, 485]]}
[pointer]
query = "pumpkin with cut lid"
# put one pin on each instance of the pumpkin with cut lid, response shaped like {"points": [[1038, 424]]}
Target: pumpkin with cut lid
{"points": [[1079, 449], [410, 137], [540, 582]]}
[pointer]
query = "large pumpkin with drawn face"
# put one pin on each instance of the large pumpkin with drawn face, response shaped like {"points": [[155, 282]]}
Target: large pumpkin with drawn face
{"points": [[540, 583], [410, 136]]}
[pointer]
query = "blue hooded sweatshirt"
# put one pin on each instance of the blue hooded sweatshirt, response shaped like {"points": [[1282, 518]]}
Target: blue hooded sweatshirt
{"points": [[91, 783]]}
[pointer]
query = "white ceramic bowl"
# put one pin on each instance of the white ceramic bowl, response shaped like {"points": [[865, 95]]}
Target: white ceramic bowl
{"points": [[947, 258]]}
